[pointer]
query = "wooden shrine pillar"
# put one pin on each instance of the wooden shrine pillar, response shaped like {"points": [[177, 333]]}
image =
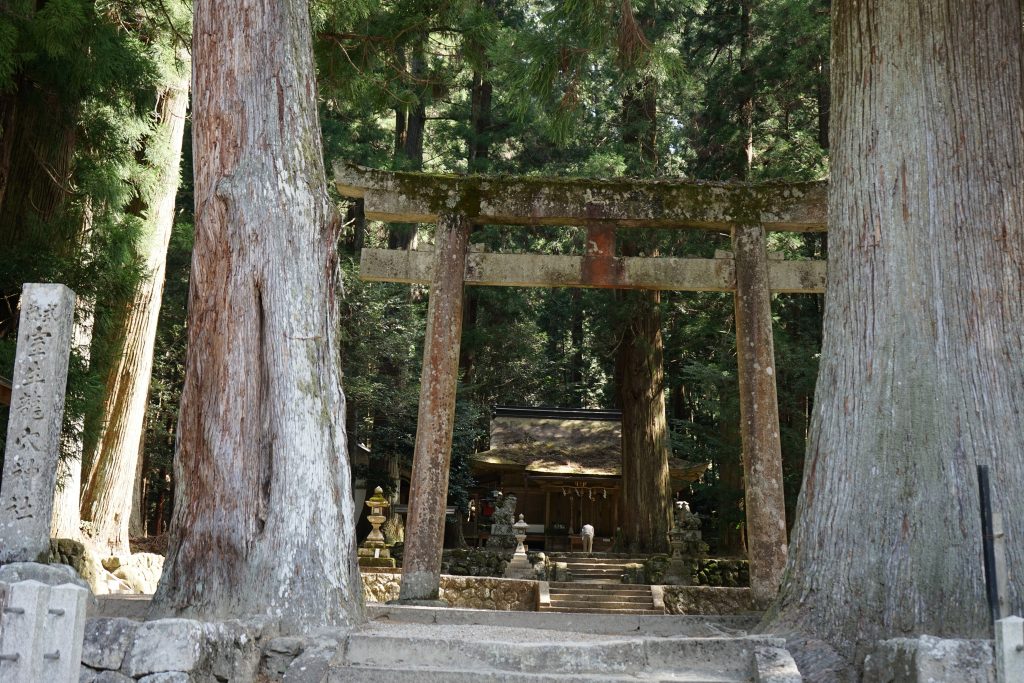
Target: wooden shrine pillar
{"points": [[764, 501], [428, 489]]}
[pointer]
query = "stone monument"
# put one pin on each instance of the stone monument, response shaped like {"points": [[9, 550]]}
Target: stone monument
{"points": [[373, 552], [520, 567], [34, 427], [502, 535], [687, 546]]}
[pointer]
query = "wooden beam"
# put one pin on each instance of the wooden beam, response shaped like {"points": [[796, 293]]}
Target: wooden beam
{"points": [[534, 270], [764, 502], [428, 486], [419, 197]]}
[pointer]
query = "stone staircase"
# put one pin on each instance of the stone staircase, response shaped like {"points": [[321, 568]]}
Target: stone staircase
{"points": [[597, 588], [599, 598], [596, 568]]}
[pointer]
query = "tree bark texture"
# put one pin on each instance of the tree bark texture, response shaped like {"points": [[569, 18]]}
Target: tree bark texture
{"points": [[763, 495], [921, 375], [112, 483], [263, 521], [646, 493], [428, 488]]}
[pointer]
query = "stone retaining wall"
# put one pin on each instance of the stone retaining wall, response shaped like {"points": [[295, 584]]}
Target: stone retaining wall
{"points": [[706, 571], [707, 600], [461, 591]]}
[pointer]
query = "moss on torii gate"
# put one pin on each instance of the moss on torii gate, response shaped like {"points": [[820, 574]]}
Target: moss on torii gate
{"points": [[456, 203]]}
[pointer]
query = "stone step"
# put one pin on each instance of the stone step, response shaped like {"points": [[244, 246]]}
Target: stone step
{"points": [[610, 606], [522, 657], [346, 674], [598, 560], [600, 610], [598, 589], [624, 625], [600, 601], [603, 587], [599, 595]]}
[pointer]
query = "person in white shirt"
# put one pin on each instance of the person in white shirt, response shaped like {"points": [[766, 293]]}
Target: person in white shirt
{"points": [[588, 538]]}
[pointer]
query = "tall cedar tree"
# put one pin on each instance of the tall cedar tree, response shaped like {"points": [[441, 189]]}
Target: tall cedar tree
{"points": [[112, 493], [921, 377], [263, 516]]}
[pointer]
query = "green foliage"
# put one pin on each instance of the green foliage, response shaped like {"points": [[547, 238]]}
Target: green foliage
{"points": [[78, 82]]}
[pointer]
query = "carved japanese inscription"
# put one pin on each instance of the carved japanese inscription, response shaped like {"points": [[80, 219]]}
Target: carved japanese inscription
{"points": [[34, 427]]}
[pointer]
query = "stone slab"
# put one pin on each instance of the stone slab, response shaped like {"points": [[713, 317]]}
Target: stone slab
{"points": [[34, 425], [775, 665], [107, 641], [21, 647], [63, 629], [927, 659], [1010, 650], [166, 645], [611, 624]]}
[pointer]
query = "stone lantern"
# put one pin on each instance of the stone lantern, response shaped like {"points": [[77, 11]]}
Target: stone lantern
{"points": [[519, 567], [373, 552], [520, 534], [687, 546]]}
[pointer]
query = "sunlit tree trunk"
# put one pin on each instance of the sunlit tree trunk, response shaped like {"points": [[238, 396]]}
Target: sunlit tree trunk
{"points": [[921, 374], [107, 499], [263, 515]]}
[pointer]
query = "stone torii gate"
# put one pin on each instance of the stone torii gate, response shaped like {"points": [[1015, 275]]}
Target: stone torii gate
{"points": [[457, 203]]}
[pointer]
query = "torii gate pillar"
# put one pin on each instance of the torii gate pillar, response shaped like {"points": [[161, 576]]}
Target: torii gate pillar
{"points": [[764, 501], [428, 490]]}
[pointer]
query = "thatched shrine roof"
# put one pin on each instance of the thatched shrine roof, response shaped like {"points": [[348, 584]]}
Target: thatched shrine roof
{"points": [[571, 447]]}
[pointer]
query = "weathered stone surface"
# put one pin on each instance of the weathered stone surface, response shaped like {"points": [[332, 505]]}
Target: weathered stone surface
{"points": [[174, 677], [279, 654], [63, 632], [90, 675], [419, 198], [764, 501], [707, 600], [67, 551], [927, 659], [166, 645], [312, 665], [775, 665], [421, 566], [233, 652], [107, 641], [49, 574], [461, 591], [538, 270], [34, 425]]}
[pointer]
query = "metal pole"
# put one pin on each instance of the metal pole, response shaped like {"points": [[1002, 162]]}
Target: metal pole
{"points": [[987, 543]]}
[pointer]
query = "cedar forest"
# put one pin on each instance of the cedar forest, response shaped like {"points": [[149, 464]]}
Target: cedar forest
{"points": [[892, 386]]}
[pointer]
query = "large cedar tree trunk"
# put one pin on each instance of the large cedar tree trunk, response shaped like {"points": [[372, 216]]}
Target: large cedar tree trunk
{"points": [[107, 498], [646, 495], [263, 517], [921, 374]]}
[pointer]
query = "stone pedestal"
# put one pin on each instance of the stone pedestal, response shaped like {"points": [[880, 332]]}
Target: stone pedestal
{"points": [[519, 567], [33, 430], [373, 552]]}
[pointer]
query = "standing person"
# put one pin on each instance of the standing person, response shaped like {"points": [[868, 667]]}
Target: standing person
{"points": [[588, 538]]}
